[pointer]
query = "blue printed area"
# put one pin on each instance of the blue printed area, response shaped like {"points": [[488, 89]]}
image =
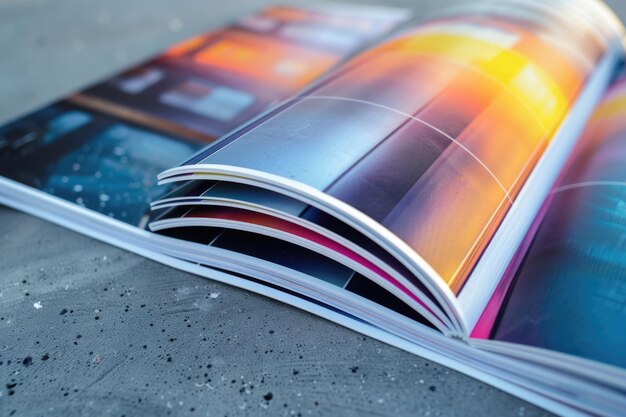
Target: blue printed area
{"points": [[90, 159], [569, 294], [115, 173], [220, 103], [65, 123]]}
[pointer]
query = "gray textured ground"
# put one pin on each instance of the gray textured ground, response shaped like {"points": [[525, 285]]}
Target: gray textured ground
{"points": [[86, 328]]}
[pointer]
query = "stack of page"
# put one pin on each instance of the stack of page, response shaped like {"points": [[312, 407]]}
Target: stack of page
{"points": [[454, 186]]}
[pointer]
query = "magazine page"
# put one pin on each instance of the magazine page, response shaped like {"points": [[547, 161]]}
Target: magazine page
{"points": [[212, 83], [422, 144], [99, 153], [89, 162], [566, 291], [103, 147]]}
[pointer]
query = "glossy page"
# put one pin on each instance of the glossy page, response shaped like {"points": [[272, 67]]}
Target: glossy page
{"points": [[103, 147], [433, 132], [212, 83], [569, 293]]}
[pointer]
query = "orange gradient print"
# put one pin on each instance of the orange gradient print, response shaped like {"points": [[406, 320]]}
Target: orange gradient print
{"points": [[287, 47], [272, 61], [256, 57], [208, 85], [505, 138], [433, 133]]}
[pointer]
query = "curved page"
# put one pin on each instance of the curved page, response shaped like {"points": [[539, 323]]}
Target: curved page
{"points": [[569, 292], [425, 141]]}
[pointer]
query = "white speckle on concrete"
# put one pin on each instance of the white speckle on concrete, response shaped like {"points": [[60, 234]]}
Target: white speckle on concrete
{"points": [[37, 305]]}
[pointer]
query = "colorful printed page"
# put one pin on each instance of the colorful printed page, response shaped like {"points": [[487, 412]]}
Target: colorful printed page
{"points": [[263, 225], [103, 147], [208, 85], [424, 142], [569, 290]]}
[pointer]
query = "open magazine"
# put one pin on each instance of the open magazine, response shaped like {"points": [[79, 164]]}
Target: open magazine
{"points": [[453, 186]]}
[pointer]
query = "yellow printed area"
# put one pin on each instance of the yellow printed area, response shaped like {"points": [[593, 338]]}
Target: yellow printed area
{"points": [[525, 79]]}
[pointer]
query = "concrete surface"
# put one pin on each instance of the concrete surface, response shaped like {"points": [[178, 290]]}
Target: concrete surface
{"points": [[88, 329]]}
